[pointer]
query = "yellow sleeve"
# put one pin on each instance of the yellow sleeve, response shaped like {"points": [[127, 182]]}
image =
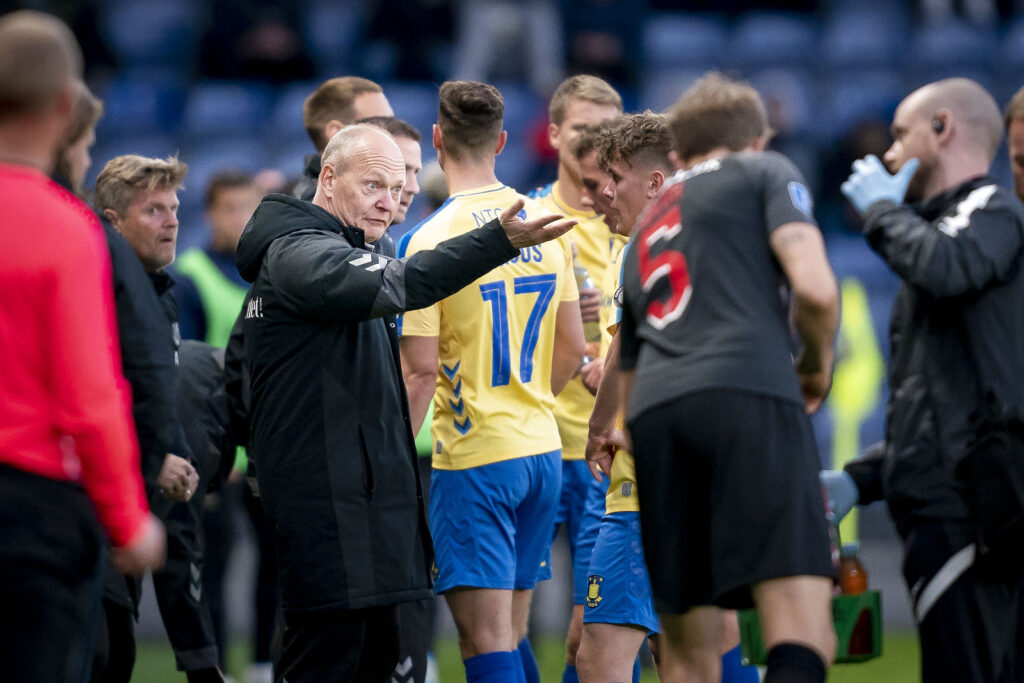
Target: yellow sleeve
{"points": [[424, 322]]}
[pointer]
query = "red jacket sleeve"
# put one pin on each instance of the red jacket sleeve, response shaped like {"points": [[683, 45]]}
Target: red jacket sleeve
{"points": [[94, 397]]}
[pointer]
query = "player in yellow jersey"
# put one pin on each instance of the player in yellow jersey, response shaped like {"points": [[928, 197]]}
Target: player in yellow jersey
{"points": [[580, 102], [493, 356], [634, 152]]}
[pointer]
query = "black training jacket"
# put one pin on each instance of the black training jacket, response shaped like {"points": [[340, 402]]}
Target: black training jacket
{"points": [[956, 333], [329, 423]]}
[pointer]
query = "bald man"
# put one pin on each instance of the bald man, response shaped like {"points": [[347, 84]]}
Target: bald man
{"points": [[1014, 120], [69, 463], [946, 469], [330, 427]]}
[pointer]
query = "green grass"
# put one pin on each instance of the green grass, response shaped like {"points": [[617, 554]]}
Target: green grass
{"points": [[899, 662]]}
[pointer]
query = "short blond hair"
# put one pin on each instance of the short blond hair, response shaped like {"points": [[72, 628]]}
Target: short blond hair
{"points": [[124, 177], [581, 87], [333, 100], [717, 111]]}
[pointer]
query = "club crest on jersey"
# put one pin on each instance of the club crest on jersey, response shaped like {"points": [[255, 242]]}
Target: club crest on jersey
{"points": [[617, 297], [594, 597], [801, 197]]}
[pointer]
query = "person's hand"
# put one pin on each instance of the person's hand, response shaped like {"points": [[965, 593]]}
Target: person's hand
{"points": [[815, 382], [599, 454], [146, 551], [841, 490], [591, 374], [525, 233], [178, 480], [870, 182], [590, 304]]}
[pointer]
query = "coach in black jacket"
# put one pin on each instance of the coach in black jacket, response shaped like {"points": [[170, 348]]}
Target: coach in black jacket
{"points": [[329, 424], [957, 338]]}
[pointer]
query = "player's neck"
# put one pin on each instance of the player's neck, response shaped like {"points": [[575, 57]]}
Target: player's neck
{"points": [[21, 148], [463, 177], [707, 156]]}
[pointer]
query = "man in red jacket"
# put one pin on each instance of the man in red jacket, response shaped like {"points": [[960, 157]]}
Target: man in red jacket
{"points": [[67, 454]]}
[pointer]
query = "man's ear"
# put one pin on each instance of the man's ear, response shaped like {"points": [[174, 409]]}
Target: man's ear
{"points": [[435, 136], [553, 131], [654, 183], [673, 156], [326, 179], [502, 139], [759, 143], [112, 216]]}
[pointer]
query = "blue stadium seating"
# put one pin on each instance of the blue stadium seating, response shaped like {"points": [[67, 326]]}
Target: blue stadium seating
{"points": [[287, 110], [208, 158], [219, 107], [872, 36], [678, 40], [660, 88], [332, 31], [153, 32], [141, 100], [776, 38], [851, 96], [953, 43], [415, 103]]}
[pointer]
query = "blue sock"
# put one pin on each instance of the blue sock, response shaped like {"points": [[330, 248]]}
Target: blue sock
{"points": [[570, 675], [529, 662], [636, 670], [491, 667], [734, 672]]}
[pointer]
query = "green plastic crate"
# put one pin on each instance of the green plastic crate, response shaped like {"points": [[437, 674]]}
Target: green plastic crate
{"points": [[858, 624]]}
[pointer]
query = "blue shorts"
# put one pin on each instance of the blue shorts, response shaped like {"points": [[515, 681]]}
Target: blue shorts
{"points": [[586, 537], [618, 588], [492, 524], [576, 485]]}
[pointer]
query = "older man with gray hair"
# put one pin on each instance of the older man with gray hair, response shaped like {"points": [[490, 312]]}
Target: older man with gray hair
{"points": [[330, 428]]}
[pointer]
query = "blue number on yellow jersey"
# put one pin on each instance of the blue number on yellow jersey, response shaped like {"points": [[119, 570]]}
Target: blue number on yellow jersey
{"points": [[496, 336]]}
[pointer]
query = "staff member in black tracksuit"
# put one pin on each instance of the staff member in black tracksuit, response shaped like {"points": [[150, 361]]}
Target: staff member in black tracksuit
{"points": [[138, 196], [957, 343], [329, 425]]}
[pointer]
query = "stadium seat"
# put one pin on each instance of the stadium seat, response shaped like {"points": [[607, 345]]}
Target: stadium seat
{"points": [[1012, 52], [216, 107], [153, 32], [852, 96], [287, 110], [672, 39], [140, 100], [209, 158], [953, 42], [872, 36], [332, 30], [660, 88], [772, 38], [415, 103], [522, 107]]}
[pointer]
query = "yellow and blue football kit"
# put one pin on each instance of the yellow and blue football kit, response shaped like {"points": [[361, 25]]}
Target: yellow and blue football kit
{"points": [[496, 453], [618, 585], [595, 245]]}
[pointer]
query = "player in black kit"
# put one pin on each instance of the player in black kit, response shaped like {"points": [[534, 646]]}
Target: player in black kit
{"points": [[716, 406]]}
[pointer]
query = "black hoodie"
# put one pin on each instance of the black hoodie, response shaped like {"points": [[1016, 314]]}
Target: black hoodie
{"points": [[329, 423]]}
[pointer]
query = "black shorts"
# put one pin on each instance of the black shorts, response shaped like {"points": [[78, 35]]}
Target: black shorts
{"points": [[729, 497]]}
